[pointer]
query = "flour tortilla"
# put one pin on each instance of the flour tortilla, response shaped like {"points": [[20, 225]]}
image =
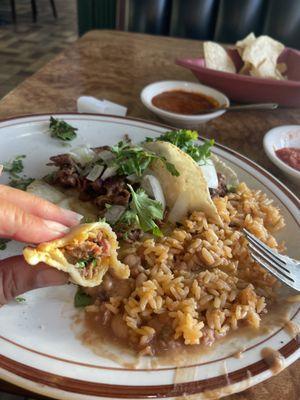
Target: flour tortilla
{"points": [[51, 253], [189, 188]]}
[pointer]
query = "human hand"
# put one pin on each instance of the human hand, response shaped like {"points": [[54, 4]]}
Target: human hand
{"points": [[27, 218], [17, 277]]}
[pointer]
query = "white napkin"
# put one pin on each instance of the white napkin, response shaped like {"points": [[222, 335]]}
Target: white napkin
{"points": [[92, 105]]}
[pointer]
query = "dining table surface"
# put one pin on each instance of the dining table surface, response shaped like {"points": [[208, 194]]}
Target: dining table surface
{"points": [[116, 65]]}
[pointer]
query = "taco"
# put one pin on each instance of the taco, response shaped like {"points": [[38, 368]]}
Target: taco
{"points": [[86, 254], [187, 192]]}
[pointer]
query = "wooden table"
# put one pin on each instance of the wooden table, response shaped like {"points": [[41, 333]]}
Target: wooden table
{"points": [[116, 66]]}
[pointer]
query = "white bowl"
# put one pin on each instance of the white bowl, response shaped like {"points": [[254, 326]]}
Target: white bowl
{"points": [[182, 120], [277, 138]]}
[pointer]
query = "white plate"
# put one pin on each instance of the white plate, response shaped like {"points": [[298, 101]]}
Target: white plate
{"points": [[183, 120], [38, 347], [279, 137]]}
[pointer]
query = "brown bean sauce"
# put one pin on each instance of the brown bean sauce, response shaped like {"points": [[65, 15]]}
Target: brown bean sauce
{"points": [[101, 329], [183, 102]]}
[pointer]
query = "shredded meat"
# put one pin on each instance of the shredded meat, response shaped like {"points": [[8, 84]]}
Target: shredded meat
{"points": [[112, 190], [88, 251], [67, 174], [84, 250], [221, 190], [100, 148]]}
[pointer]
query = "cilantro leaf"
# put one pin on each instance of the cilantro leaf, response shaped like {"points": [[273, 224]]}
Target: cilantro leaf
{"points": [[85, 262], [200, 153], [82, 299], [20, 183], [20, 299], [179, 138], [3, 243], [135, 159], [184, 139], [143, 211], [62, 130], [15, 166]]}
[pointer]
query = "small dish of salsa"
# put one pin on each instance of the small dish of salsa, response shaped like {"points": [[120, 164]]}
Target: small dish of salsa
{"points": [[184, 104], [282, 145], [290, 156]]}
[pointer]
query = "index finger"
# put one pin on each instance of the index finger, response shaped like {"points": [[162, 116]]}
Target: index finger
{"points": [[39, 207]]}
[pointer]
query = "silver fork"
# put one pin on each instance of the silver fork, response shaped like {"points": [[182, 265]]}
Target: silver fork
{"points": [[284, 268]]}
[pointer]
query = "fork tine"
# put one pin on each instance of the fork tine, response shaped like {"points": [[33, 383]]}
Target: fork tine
{"points": [[271, 270], [262, 253], [270, 262], [276, 257]]}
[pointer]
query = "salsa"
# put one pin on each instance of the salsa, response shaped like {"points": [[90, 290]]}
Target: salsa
{"points": [[290, 156], [183, 102]]}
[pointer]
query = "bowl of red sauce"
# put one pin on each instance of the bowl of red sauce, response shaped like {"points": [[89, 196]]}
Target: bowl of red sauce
{"points": [[282, 145], [184, 104]]}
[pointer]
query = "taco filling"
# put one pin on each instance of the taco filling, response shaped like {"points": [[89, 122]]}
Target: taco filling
{"points": [[86, 253]]}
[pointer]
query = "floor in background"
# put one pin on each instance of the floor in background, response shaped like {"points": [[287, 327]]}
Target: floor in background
{"points": [[26, 46]]}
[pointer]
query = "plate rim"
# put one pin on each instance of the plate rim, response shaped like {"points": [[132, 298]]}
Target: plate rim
{"points": [[289, 350]]}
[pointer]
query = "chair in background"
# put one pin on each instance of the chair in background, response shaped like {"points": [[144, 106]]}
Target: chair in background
{"points": [[33, 10], [220, 20]]}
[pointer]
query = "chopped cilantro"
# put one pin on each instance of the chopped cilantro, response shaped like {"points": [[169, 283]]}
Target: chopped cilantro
{"points": [[184, 139], [135, 159], [85, 262], [202, 152], [143, 212], [3, 243], [20, 299], [82, 299], [179, 138], [62, 130], [20, 183], [15, 166], [231, 188]]}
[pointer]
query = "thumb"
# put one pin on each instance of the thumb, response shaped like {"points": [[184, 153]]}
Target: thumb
{"points": [[17, 277]]}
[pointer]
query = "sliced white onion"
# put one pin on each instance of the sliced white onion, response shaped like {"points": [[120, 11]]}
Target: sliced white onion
{"points": [[133, 178], [105, 155], [210, 174], [66, 203], [230, 175], [180, 208], [83, 154], [114, 213], [95, 172], [46, 191], [110, 171], [153, 188]]}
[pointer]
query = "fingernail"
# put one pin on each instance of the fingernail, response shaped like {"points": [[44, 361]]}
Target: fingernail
{"points": [[73, 216], [56, 226]]}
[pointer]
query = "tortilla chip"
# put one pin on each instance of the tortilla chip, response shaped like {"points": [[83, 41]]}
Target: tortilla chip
{"points": [[242, 44], [262, 54], [217, 58], [190, 186], [53, 253], [282, 67], [245, 70]]}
